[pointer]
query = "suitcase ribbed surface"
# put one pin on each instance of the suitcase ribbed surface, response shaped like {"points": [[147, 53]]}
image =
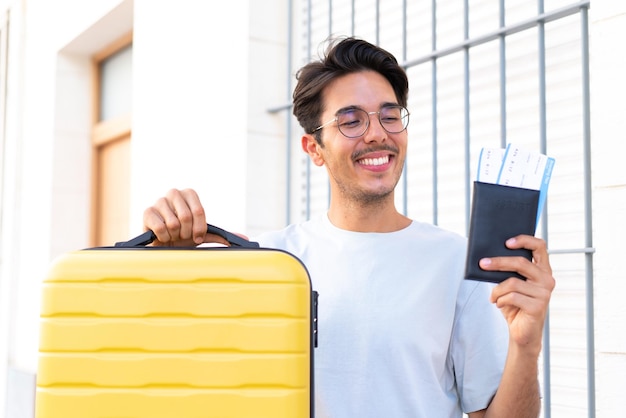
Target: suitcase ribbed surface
{"points": [[155, 333]]}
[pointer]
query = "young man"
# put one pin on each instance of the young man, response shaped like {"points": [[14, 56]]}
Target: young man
{"points": [[402, 334]]}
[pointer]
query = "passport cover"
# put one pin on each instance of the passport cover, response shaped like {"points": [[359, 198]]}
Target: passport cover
{"points": [[498, 213]]}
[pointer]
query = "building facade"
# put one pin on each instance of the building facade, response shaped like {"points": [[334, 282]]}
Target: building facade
{"points": [[107, 104]]}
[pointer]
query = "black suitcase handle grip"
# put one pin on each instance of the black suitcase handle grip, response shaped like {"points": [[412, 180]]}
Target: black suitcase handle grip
{"points": [[148, 236]]}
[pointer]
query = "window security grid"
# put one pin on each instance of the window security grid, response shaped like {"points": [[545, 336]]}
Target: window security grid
{"points": [[482, 73]]}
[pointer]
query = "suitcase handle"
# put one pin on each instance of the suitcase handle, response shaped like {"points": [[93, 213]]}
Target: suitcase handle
{"points": [[148, 236]]}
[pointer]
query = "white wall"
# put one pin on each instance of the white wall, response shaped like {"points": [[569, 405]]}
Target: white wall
{"points": [[191, 105], [10, 242], [203, 88], [608, 110], [267, 139], [32, 164]]}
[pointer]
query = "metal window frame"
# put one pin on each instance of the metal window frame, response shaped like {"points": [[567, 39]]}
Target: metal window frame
{"points": [[499, 35]]}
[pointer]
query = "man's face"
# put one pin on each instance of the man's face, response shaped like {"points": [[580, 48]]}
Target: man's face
{"points": [[367, 168]]}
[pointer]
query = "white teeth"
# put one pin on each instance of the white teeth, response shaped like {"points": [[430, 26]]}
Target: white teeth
{"points": [[375, 161]]}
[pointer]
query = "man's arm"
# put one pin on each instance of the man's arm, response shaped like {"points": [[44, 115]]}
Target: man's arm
{"points": [[518, 393], [524, 304]]}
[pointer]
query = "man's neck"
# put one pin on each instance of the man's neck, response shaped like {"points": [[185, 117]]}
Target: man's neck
{"points": [[380, 217]]}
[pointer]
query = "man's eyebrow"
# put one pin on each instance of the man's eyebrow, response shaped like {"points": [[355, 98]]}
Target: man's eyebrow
{"points": [[355, 107], [385, 104], [347, 109]]}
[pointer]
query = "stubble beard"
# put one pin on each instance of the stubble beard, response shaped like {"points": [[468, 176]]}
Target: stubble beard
{"points": [[358, 197], [365, 199]]}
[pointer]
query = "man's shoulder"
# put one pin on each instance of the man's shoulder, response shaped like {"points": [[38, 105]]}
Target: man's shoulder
{"points": [[436, 234], [280, 238]]}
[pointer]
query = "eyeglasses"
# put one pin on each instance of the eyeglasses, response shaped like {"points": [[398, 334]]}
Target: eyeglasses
{"points": [[354, 122]]}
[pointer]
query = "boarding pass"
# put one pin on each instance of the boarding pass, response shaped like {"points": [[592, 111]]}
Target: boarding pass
{"points": [[515, 166]]}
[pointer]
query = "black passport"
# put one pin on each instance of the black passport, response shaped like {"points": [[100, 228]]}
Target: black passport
{"points": [[498, 213]]}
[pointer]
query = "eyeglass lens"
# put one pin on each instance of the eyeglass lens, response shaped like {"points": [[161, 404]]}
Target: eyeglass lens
{"points": [[354, 122]]}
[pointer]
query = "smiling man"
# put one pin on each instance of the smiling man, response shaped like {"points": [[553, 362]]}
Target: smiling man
{"points": [[401, 333], [364, 159]]}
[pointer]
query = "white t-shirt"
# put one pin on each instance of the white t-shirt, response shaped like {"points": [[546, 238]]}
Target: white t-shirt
{"points": [[401, 333]]}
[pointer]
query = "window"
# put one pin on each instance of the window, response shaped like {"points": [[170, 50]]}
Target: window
{"points": [[111, 142]]}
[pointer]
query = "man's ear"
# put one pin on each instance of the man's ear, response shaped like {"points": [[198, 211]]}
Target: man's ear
{"points": [[311, 147]]}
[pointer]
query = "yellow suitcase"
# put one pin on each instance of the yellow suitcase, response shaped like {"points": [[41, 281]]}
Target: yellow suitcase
{"points": [[146, 332]]}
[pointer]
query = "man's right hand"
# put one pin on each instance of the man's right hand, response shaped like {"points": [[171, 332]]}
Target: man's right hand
{"points": [[178, 220]]}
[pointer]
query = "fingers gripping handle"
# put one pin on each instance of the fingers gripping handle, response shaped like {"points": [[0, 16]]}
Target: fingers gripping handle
{"points": [[234, 240]]}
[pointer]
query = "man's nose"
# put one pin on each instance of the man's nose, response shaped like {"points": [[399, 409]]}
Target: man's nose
{"points": [[375, 130]]}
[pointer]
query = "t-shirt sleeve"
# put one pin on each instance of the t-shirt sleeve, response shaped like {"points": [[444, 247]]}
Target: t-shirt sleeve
{"points": [[479, 346], [271, 239]]}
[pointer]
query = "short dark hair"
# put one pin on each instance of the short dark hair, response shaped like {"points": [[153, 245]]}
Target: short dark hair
{"points": [[343, 56]]}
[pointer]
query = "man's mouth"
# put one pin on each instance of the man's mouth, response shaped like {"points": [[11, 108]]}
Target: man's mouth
{"points": [[374, 161]]}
